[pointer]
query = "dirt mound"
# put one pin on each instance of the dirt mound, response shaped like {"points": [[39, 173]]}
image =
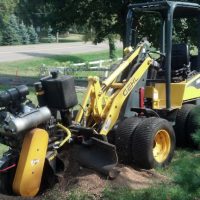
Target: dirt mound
{"points": [[136, 179], [93, 183], [87, 181]]}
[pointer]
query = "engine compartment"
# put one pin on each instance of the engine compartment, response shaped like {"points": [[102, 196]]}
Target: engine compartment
{"points": [[55, 94]]}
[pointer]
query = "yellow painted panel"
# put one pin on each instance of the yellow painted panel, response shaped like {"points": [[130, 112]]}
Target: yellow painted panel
{"points": [[191, 93], [177, 91], [159, 100], [31, 163], [180, 92], [192, 89], [149, 91]]}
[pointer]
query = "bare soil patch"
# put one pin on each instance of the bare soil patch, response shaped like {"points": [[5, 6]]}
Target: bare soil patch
{"points": [[93, 183], [89, 181]]}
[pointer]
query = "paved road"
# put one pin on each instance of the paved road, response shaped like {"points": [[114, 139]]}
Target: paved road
{"points": [[14, 53]]}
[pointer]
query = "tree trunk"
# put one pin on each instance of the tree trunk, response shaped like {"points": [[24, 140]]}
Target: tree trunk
{"points": [[112, 47]]}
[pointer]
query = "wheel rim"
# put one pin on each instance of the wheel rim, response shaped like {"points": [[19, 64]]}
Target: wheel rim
{"points": [[162, 145]]}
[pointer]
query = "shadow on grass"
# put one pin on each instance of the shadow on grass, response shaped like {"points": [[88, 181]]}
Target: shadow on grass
{"points": [[6, 81], [10, 80], [56, 58], [60, 41]]}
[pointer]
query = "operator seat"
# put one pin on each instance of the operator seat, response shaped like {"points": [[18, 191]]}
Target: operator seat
{"points": [[180, 66], [180, 61]]}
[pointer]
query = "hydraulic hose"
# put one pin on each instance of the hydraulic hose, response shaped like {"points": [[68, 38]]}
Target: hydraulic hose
{"points": [[69, 135]]}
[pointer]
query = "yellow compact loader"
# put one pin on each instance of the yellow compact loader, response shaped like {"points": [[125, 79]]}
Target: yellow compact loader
{"points": [[134, 116]]}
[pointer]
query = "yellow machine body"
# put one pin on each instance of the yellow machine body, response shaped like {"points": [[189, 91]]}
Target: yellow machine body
{"points": [[180, 92], [31, 163], [104, 101]]}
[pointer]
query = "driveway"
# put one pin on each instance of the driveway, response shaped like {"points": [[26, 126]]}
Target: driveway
{"points": [[15, 53]]}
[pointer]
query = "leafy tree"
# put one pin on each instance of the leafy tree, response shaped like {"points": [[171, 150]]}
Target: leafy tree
{"points": [[11, 34], [36, 13], [7, 7], [33, 35], [24, 33]]}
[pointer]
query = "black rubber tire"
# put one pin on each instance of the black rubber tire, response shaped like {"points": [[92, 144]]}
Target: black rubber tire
{"points": [[192, 126], [6, 180], [49, 179], [111, 137], [143, 142], [112, 134], [180, 126], [123, 138]]}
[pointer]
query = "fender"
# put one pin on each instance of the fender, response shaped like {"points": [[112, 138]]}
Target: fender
{"points": [[31, 163]]}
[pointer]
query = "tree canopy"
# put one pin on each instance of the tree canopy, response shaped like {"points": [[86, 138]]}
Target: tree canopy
{"points": [[101, 18], [7, 7], [104, 17]]}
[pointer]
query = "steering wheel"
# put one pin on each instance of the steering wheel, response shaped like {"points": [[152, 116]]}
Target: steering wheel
{"points": [[157, 61]]}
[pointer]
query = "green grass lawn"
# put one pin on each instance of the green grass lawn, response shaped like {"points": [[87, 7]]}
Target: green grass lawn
{"points": [[3, 149], [71, 38], [31, 67]]}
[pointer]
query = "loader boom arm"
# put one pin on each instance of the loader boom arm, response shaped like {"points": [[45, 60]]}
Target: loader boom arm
{"points": [[114, 111], [103, 102]]}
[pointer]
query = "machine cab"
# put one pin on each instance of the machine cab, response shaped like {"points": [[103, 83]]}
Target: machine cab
{"points": [[174, 28]]}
